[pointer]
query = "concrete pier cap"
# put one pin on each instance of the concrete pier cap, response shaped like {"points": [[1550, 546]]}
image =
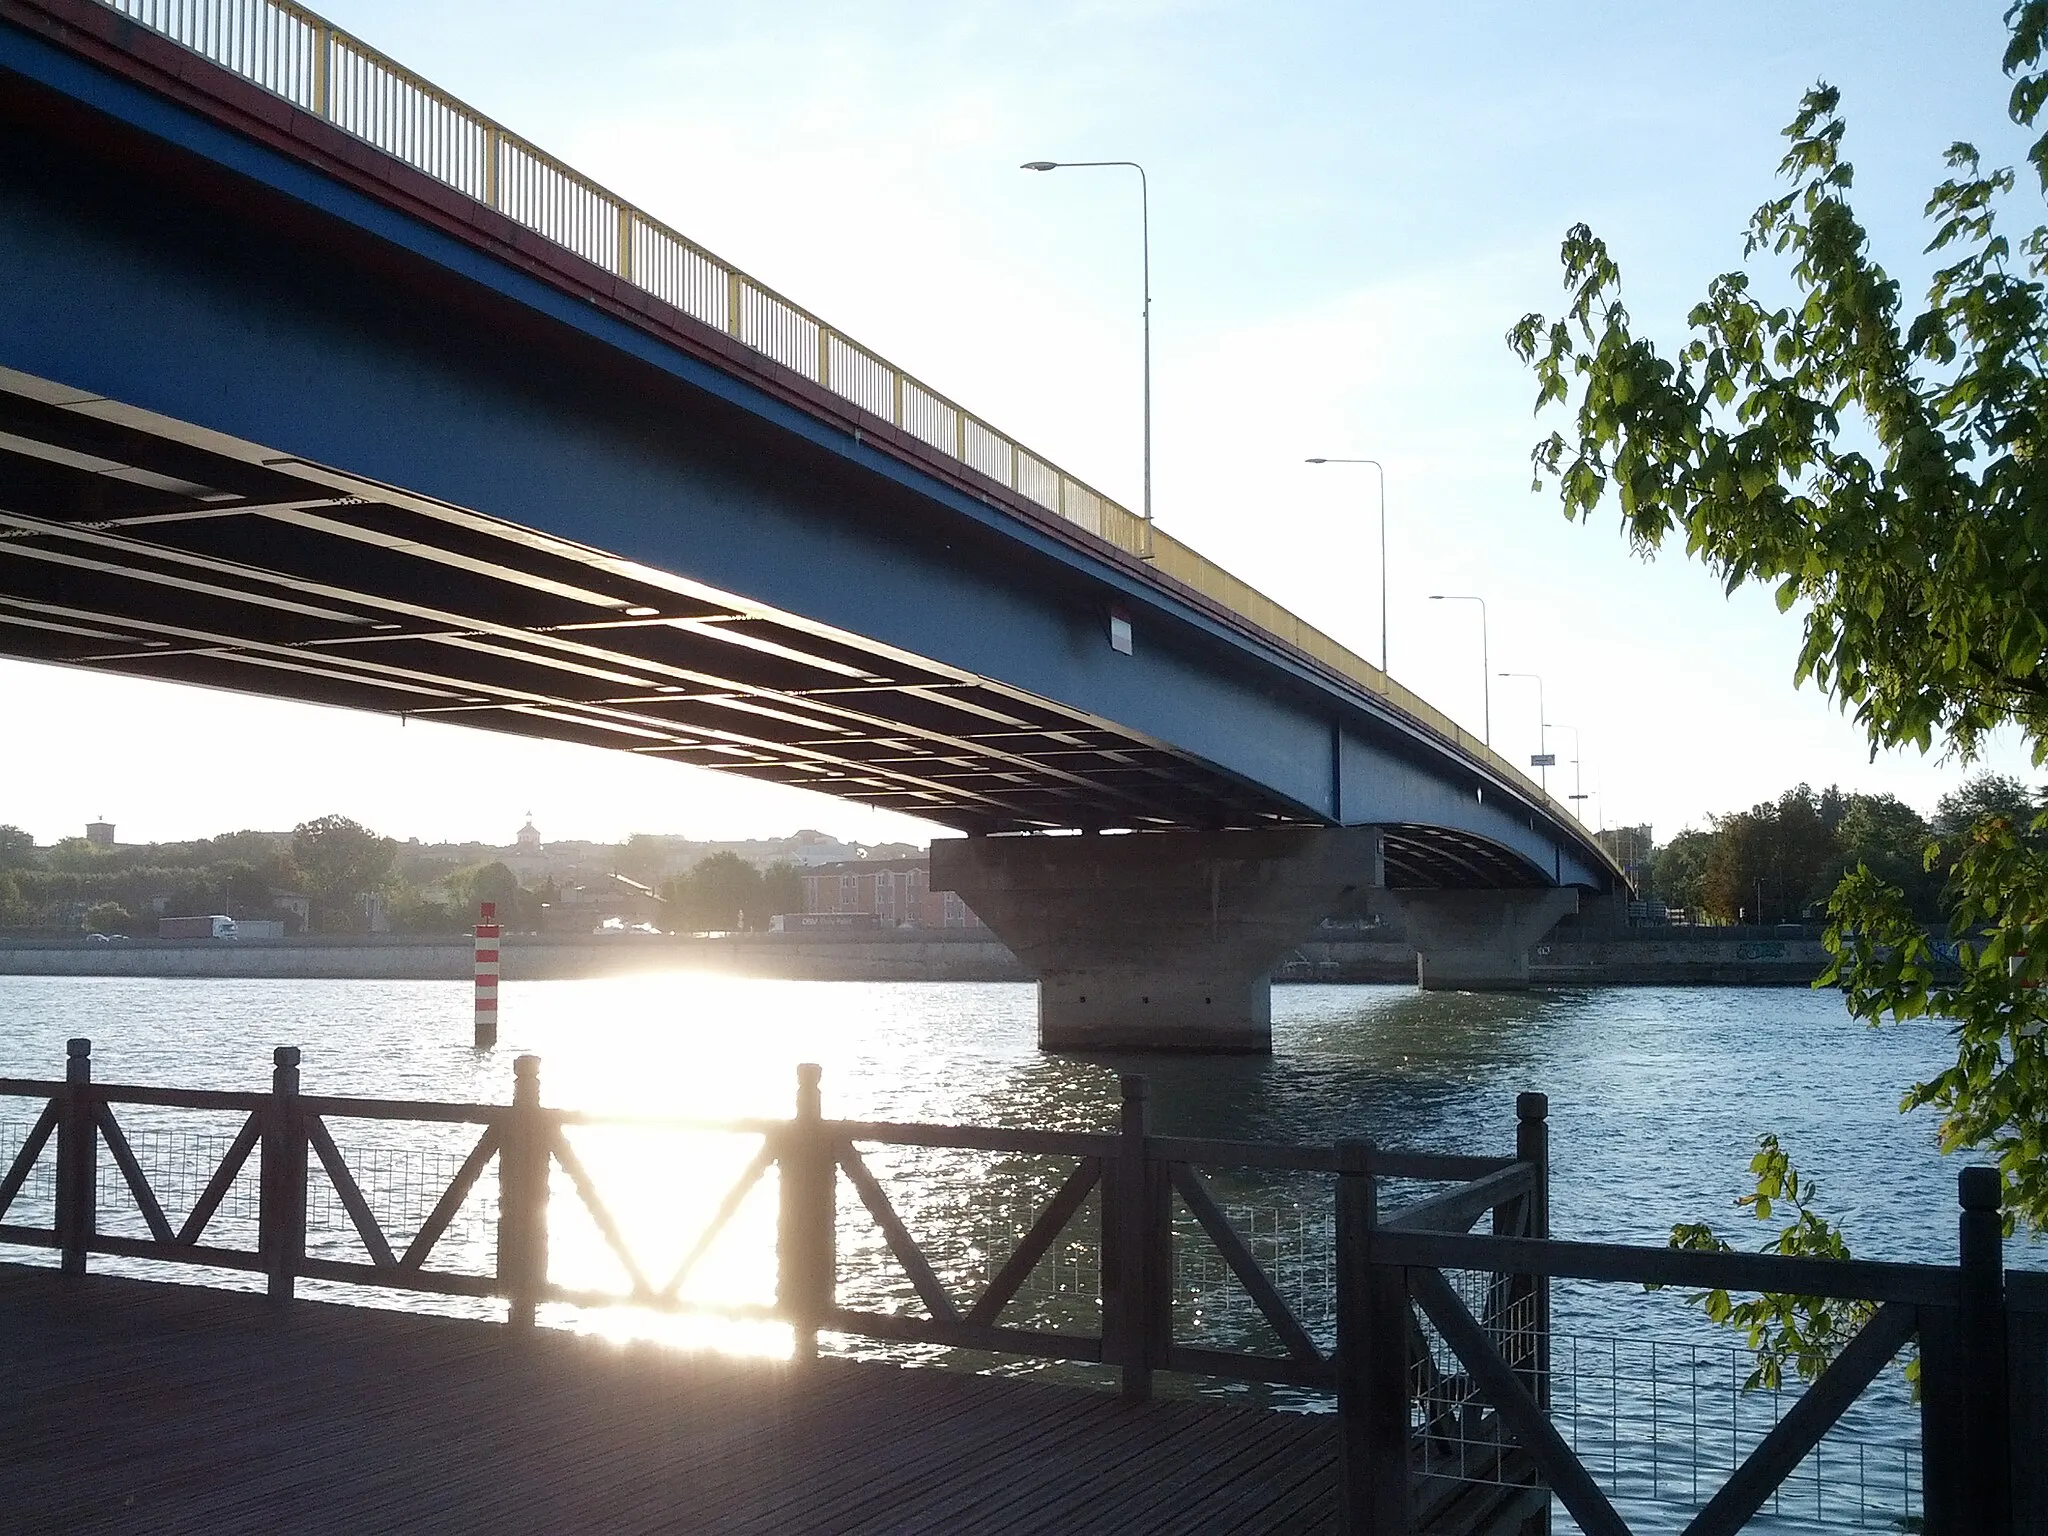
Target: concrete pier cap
{"points": [[1157, 940]]}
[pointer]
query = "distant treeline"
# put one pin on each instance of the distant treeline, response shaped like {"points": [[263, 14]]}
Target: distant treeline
{"points": [[1779, 861], [340, 872], [74, 883]]}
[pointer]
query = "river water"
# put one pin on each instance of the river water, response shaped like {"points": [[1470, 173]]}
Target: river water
{"points": [[1656, 1099]]}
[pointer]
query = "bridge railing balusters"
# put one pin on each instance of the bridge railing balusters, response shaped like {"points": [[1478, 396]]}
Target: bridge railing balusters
{"points": [[342, 80]]}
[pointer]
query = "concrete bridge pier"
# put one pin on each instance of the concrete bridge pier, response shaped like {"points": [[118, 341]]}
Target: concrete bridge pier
{"points": [[1157, 940], [1474, 941]]}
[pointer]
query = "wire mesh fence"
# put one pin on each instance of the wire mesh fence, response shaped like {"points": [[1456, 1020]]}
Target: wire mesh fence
{"points": [[1660, 1420], [1662, 1423], [402, 1184]]}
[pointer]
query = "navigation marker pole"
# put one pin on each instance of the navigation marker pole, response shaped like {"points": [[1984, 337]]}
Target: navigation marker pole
{"points": [[487, 977]]}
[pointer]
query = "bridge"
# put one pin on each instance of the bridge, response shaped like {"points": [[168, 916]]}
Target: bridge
{"points": [[318, 384]]}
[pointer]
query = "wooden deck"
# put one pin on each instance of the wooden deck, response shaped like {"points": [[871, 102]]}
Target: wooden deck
{"points": [[130, 1406]]}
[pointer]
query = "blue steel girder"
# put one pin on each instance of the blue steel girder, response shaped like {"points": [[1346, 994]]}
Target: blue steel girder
{"points": [[264, 327]]}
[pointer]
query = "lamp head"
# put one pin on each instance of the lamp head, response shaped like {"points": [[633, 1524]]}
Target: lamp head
{"points": [[1318, 461], [1436, 597], [1039, 165]]}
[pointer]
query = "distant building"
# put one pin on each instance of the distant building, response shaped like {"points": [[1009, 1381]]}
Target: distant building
{"points": [[1627, 846], [897, 893], [528, 840], [1630, 848], [589, 905], [100, 833]]}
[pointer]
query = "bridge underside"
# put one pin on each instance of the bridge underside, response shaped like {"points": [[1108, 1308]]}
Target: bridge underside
{"points": [[282, 415], [136, 545]]}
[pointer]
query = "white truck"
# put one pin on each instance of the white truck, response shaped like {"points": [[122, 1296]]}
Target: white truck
{"points": [[214, 927]]}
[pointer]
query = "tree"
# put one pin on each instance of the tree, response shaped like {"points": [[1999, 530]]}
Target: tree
{"points": [[1985, 795], [495, 883], [782, 890], [1773, 861], [106, 915], [342, 861], [1891, 474], [1679, 870], [75, 855], [646, 856], [1889, 837], [17, 849], [714, 893]]}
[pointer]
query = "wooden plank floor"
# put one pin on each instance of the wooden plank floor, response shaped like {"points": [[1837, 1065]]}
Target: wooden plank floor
{"points": [[137, 1406]]}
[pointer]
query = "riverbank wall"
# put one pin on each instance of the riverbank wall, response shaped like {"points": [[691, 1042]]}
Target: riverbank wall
{"points": [[1632, 958], [937, 955], [1642, 957]]}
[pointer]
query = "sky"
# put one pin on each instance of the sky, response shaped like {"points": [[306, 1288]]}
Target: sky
{"points": [[1350, 204]]}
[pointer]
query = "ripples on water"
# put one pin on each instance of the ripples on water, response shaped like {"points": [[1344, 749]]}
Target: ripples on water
{"points": [[1656, 1099]]}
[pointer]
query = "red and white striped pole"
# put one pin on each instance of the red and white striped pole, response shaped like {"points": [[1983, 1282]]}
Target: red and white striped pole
{"points": [[487, 977]]}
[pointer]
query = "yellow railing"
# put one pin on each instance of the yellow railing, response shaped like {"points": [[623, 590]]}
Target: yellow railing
{"points": [[321, 69]]}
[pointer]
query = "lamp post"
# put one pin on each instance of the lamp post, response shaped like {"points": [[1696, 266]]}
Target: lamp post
{"points": [[1145, 251], [1382, 471], [1577, 796], [1485, 666], [1542, 729]]}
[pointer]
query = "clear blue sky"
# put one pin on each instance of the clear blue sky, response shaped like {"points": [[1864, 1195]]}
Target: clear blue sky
{"points": [[1350, 205]]}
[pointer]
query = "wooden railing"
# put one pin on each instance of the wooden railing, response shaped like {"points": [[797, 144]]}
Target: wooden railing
{"points": [[1982, 1335]]}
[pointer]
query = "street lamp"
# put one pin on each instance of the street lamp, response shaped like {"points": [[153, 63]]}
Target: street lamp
{"points": [[1577, 795], [1485, 667], [1382, 469], [1145, 249], [1542, 731]]}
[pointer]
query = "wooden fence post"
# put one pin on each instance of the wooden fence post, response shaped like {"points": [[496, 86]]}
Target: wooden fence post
{"points": [[2026, 1364], [1981, 1244], [1532, 1146], [807, 1219], [1372, 1362], [523, 1157], [1966, 1481], [281, 1178], [77, 1159], [1133, 1211]]}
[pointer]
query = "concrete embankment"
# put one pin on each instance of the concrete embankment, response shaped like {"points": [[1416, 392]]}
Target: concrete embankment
{"points": [[932, 956], [1639, 958]]}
